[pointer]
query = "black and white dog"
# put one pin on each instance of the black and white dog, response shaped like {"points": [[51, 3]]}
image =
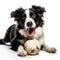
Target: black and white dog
{"points": [[29, 26]]}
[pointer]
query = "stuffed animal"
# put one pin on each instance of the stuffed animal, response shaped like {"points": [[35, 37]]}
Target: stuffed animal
{"points": [[32, 47]]}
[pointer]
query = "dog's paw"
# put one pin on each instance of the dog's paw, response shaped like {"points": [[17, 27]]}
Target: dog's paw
{"points": [[21, 51], [52, 50]]}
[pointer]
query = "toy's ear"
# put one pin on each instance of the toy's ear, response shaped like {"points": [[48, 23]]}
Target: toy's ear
{"points": [[17, 13], [39, 10]]}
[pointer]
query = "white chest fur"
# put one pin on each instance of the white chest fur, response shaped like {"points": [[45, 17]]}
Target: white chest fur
{"points": [[38, 32], [39, 35]]}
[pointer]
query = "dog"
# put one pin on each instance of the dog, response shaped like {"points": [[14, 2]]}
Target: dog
{"points": [[29, 26]]}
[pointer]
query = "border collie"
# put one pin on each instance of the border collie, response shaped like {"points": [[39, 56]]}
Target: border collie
{"points": [[29, 26]]}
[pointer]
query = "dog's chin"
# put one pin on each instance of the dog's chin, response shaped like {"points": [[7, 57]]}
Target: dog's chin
{"points": [[31, 32]]}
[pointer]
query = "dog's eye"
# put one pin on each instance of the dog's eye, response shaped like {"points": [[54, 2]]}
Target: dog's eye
{"points": [[32, 15], [21, 22]]}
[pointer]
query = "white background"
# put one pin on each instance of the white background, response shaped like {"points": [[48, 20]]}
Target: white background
{"points": [[51, 27]]}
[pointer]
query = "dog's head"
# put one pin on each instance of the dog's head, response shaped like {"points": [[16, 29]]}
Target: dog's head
{"points": [[29, 19]]}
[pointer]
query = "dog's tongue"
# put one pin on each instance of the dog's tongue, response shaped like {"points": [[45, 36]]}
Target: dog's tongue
{"points": [[31, 32]]}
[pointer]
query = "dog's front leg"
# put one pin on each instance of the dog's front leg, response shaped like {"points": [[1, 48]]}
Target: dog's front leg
{"points": [[17, 46], [48, 49]]}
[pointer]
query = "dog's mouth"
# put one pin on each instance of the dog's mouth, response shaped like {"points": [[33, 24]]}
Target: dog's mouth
{"points": [[31, 32]]}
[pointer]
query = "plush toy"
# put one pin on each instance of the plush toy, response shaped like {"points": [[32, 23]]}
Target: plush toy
{"points": [[32, 47]]}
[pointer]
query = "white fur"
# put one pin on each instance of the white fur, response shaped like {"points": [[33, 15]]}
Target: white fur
{"points": [[21, 51], [38, 32], [29, 19], [39, 35], [23, 32]]}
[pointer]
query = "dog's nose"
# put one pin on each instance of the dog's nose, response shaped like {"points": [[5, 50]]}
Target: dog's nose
{"points": [[29, 24]]}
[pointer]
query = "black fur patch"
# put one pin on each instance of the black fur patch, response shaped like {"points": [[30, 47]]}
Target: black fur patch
{"points": [[15, 44]]}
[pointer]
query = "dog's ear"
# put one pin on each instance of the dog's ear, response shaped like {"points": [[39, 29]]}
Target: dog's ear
{"points": [[39, 10], [17, 13], [12, 14]]}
